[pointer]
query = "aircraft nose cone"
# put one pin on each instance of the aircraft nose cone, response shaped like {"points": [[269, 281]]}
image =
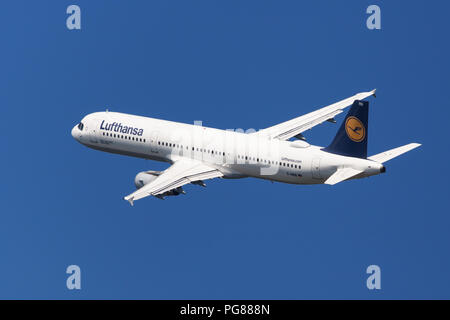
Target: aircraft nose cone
{"points": [[74, 132]]}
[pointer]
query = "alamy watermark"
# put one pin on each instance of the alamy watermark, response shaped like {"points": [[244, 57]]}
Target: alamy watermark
{"points": [[374, 280], [74, 280], [373, 22], [73, 22]]}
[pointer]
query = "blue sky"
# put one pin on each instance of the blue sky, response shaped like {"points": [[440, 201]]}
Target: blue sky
{"points": [[231, 64]]}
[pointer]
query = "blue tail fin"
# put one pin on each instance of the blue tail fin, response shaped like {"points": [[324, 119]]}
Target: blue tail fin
{"points": [[351, 139]]}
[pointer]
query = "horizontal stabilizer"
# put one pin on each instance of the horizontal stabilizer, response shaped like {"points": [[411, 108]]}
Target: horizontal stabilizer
{"points": [[390, 154], [341, 175]]}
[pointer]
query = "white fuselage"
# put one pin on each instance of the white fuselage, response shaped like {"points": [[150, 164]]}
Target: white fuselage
{"points": [[235, 154]]}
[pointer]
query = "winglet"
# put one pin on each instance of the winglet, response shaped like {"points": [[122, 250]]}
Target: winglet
{"points": [[130, 200], [374, 92]]}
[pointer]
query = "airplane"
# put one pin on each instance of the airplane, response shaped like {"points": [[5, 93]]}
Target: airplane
{"points": [[197, 153]]}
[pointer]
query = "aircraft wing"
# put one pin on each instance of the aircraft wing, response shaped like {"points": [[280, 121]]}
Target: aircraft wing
{"points": [[341, 175], [291, 128], [180, 173]]}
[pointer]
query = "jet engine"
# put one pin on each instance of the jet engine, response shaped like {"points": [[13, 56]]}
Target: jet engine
{"points": [[145, 177]]}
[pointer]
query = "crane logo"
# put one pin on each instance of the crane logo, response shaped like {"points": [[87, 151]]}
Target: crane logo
{"points": [[355, 129]]}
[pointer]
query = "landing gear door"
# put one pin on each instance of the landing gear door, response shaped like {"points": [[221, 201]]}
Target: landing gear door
{"points": [[315, 168]]}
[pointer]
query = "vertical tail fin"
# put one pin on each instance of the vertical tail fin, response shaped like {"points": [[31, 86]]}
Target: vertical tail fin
{"points": [[351, 139]]}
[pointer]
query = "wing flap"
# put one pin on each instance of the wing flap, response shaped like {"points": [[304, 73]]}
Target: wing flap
{"points": [[188, 179], [293, 127], [341, 175], [393, 153]]}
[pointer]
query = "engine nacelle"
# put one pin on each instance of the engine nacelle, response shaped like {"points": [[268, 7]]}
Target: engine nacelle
{"points": [[142, 178]]}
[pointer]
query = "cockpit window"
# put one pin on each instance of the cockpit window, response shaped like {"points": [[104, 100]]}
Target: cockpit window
{"points": [[81, 126]]}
